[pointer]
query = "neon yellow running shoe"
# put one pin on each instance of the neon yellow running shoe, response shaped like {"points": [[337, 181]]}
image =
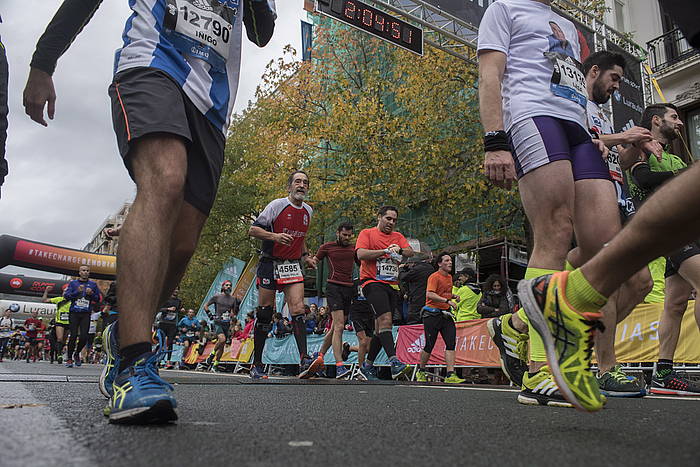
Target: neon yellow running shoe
{"points": [[567, 336], [540, 389], [512, 347], [452, 378], [421, 376]]}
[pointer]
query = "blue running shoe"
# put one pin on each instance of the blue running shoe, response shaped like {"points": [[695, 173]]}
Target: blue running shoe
{"points": [[69, 363], [342, 372], [369, 372], [111, 368], [140, 396], [78, 361], [399, 368], [258, 373]]}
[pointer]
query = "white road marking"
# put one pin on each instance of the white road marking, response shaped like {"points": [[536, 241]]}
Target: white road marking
{"points": [[298, 444]]}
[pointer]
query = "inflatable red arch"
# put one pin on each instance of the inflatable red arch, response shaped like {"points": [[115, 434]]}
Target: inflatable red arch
{"points": [[40, 256]]}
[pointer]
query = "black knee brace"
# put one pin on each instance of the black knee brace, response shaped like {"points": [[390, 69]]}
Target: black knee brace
{"points": [[263, 318]]}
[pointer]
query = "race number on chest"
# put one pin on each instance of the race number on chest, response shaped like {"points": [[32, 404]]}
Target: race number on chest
{"points": [[568, 80], [202, 28], [387, 270], [614, 165]]}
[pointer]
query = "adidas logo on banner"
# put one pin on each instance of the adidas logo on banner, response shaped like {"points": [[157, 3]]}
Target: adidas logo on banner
{"points": [[417, 345]]}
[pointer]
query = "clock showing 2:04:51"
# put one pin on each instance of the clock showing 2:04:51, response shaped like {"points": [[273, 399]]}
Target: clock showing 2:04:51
{"points": [[375, 22]]}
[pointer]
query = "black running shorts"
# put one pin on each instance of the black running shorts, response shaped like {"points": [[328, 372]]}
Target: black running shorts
{"points": [[439, 324], [362, 317], [674, 261], [146, 101], [339, 297], [381, 297]]}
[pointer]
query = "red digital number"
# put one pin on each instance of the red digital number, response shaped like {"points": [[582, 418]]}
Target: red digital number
{"points": [[407, 35], [367, 17], [379, 22], [395, 30], [350, 9]]}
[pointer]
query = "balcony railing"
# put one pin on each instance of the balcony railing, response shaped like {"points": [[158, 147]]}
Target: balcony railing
{"points": [[668, 49]]}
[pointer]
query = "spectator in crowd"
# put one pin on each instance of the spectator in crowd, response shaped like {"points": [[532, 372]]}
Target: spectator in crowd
{"points": [[313, 308], [249, 323], [469, 293], [311, 323], [494, 300], [323, 324], [276, 319], [413, 279], [5, 331], [237, 332], [284, 327]]}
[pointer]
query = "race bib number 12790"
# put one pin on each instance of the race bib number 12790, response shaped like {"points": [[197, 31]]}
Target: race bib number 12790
{"points": [[201, 28]]}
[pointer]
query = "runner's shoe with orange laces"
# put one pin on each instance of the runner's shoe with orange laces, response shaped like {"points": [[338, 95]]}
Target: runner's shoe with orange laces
{"points": [[567, 336]]}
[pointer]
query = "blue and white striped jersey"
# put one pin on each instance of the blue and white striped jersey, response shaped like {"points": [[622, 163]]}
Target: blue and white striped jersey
{"points": [[196, 42]]}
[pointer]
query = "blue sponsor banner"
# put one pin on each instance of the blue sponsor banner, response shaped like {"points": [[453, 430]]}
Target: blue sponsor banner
{"points": [[231, 271], [284, 351]]}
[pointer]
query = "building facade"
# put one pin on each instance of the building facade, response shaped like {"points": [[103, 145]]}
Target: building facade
{"points": [[101, 242], [674, 64]]}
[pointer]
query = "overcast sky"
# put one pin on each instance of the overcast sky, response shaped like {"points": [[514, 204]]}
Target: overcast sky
{"points": [[66, 179]]}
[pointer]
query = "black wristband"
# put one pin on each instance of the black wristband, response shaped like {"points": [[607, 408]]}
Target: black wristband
{"points": [[496, 141]]}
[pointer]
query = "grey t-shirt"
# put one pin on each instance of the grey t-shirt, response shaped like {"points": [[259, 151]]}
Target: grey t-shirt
{"points": [[224, 306]]}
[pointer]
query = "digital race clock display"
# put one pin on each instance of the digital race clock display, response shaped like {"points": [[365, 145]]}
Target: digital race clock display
{"points": [[375, 22]]}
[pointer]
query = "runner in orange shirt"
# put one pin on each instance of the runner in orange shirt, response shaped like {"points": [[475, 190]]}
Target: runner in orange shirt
{"points": [[438, 318], [380, 250]]}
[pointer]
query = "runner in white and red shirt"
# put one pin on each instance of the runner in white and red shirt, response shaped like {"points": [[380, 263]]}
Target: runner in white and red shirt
{"points": [[282, 227]]}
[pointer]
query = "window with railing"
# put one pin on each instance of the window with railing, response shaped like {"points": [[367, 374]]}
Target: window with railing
{"points": [[668, 49]]}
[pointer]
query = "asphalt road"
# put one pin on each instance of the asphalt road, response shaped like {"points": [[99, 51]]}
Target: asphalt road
{"points": [[51, 415]]}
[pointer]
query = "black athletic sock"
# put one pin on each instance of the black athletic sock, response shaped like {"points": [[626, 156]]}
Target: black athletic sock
{"points": [[663, 367], [375, 345], [259, 338], [71, 348], [387, 340], [130, 353], [299, 327]]}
